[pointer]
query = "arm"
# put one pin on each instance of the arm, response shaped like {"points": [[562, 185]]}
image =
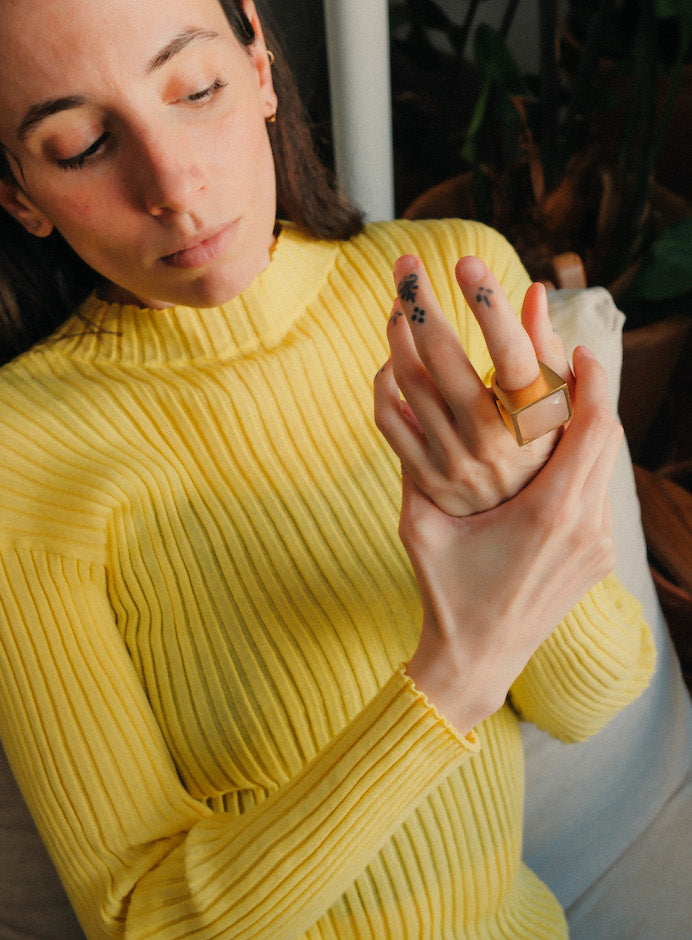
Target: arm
{"points": [[457, 452], [138, 854], [495, 583]]}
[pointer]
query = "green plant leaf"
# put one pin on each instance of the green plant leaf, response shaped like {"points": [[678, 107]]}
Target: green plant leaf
{"points": [[494, 57], [667, 271]]}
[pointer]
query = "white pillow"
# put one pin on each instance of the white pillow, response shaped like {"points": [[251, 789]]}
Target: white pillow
{"points": [[586, 804], [590, 318]]}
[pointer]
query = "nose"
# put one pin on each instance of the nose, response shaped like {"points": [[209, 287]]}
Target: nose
{"points": [[168, 174]]}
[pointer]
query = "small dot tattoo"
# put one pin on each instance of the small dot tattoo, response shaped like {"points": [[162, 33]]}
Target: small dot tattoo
{"points": [[418, 315], [482, 297]]}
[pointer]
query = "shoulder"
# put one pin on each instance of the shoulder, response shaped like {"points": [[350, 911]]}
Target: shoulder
{"points": [[439, 243], [449, 238], [36, 379], [43, 410]]}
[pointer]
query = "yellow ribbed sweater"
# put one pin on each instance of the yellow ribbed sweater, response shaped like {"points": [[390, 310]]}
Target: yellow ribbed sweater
{"points": [[204, 606]]}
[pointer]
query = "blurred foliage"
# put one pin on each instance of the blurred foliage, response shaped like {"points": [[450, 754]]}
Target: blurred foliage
{"points": [[564, 159]]}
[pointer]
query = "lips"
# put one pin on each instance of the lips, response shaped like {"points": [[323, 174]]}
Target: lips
{"points": [[204, 251]]}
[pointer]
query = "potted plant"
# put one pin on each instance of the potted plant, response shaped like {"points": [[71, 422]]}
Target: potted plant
{"points": [[536, 162]]}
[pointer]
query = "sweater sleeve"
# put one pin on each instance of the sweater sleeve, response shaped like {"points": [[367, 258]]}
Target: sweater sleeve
{"points": [[139, 856], [598, 660]]}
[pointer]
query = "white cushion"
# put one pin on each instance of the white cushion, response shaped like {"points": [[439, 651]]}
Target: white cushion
{"points": [[646, 894], [587, 804]]}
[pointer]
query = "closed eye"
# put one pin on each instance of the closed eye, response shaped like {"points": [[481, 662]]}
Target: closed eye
{"points": [[81, 159], [199, 97], [78, 161]]}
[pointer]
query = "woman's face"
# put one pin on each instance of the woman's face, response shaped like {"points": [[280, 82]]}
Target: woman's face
{"points": [[137, 129]]}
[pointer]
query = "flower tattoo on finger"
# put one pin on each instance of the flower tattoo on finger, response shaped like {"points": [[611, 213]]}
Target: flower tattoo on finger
{"points": [[408, 288]]}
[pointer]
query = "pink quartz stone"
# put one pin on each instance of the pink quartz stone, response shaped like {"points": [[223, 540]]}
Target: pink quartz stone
{"points": [[542, 416]]}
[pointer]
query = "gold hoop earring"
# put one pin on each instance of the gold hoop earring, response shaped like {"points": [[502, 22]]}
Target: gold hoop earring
{"points": [[270, 56], [272, 118]]}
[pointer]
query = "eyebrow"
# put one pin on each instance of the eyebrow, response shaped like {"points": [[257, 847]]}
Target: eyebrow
{"points": [[179, 43], [39, 112]]}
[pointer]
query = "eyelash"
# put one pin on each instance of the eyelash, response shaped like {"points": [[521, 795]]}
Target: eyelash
{"points": [[81, 159], [76, 163], [206, 94]]}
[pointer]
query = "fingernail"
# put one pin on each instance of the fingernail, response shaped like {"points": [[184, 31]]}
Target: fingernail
{"points": [[470, 268]]}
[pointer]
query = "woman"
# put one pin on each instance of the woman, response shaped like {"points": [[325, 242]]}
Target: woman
{"points": [[216, 693]]}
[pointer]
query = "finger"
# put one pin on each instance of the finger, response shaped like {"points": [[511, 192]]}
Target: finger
{"points": [[398, 423], [421, 454], [412, 377], [593, 435], [393, 417], [602, 472], [423, 403], [545, 338], [508, 343], [437, 345]]}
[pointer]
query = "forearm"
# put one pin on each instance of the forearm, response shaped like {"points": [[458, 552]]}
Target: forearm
{"points": [[137, 853], [286, 863]]}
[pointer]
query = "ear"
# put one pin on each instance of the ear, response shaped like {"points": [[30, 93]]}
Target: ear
{"points": [[15, 201], [262, 63]]}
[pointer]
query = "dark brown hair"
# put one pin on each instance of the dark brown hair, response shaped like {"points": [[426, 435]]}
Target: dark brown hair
{"points": [[42, 280]]}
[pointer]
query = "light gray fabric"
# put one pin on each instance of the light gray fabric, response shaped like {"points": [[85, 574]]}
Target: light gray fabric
{"points": [[646, 894], [588, 803]]}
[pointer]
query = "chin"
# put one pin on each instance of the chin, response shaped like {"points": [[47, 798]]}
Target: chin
{"points": [[212, 294], [206, 290], [215, 288]]}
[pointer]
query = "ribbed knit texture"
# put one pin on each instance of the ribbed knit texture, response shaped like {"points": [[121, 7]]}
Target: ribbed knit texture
{"points": [[204, 606]]}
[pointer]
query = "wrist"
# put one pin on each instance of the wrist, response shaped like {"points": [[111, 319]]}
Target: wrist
{"points": [[462, 692]]}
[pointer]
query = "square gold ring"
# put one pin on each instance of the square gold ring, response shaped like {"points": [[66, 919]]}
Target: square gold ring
{"points": [[541, 407]]}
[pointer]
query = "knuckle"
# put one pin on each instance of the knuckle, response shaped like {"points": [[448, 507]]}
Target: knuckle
{"points": [[618, 430], [461, 483], [382, 417], [444, 491], [415, 533], [602, 421], [604, 554], [486, 452]]}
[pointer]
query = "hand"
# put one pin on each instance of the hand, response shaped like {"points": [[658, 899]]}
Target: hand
{"points": [[494, 585], [447, 431]]}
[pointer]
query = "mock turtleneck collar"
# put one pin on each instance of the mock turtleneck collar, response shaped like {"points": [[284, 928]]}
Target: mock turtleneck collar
{"points": [[257, 318]]}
